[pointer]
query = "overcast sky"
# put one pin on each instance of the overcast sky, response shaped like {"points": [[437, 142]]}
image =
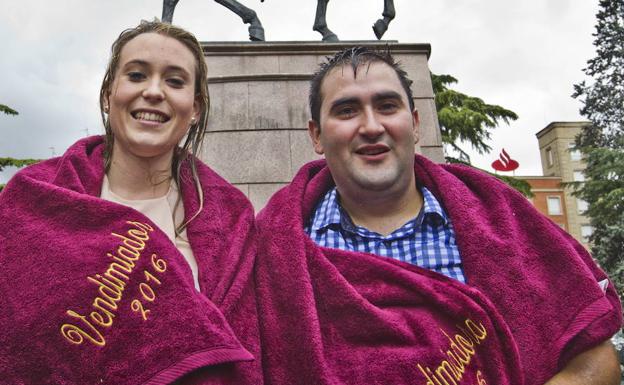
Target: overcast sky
{"points": [[523, 55]]}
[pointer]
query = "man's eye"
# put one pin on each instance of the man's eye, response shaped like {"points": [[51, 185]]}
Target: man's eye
{"points": [[346, 111], [388, 107], [136, 76]]}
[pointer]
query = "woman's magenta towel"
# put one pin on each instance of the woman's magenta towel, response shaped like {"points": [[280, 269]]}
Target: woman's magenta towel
{"points": [[335, 317], [92, 292]]}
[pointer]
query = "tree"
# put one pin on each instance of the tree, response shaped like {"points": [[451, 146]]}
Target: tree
{"points": [[7, 110], [465, 118], [602, 141], [5, 162], [470, 119]]}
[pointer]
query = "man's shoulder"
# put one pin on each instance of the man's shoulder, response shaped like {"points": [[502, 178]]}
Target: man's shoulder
{"points": [[305, 190]]}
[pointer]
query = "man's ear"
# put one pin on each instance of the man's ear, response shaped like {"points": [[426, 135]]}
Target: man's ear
{"points": [[315, 134], [416, 125]]}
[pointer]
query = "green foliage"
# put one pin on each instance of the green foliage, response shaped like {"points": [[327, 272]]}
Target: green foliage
{"points": [[6, 162], [520, 185], [602, 142], [470, 119], [603, 190], [603, 96], [466, 118], [7, 110]]}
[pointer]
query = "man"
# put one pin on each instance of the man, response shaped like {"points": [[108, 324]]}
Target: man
{"points": [[374, 196]]}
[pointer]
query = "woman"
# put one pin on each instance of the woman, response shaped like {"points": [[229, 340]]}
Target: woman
{"points": [[126, 260]]}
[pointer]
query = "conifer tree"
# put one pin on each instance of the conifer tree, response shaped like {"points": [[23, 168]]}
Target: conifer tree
{"points": [[5, 162], [469, 119], [465, 118], [602, 141]]}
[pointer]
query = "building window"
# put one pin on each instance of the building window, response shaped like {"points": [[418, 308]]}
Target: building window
{"points": [[549, 157], [581, 206], [579, 176], [554, 205], [574, 154], [586, 232]]}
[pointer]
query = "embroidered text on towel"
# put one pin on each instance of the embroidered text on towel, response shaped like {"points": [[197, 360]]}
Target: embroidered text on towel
{"points": [[111, 285], [460, 353]]}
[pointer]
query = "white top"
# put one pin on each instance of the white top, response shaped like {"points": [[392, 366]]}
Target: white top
{"points": [[160, 211]]}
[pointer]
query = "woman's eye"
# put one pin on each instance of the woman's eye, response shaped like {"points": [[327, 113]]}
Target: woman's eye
{"points": [[176, 82], [136, 76]]}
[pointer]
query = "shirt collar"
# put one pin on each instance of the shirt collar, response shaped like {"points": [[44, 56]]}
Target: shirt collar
{"points": [[329, 212], [432, 209]]}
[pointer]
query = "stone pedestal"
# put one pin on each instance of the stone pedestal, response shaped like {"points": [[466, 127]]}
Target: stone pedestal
{"points": [[257, 132]]}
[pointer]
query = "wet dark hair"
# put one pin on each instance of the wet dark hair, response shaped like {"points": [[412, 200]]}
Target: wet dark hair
{"points": [[356, 57]]}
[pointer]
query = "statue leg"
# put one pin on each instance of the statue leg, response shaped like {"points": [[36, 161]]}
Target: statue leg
{"points": [[256, 32], [320, 21], [168, 8], [381, 25]]}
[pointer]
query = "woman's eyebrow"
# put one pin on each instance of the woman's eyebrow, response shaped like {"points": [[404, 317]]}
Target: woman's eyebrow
{"points": [[136, 62], [169, 68]]}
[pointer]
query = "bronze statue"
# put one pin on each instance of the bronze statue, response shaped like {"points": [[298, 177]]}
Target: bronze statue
{"points": [[256, 32]]}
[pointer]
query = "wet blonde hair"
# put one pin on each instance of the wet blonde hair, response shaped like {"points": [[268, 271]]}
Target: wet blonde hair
{"points": [[195, 136]]}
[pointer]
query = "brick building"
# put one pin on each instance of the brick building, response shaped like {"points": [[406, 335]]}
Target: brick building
{"points": [[561, 164], [549, 198], [556, 141]]}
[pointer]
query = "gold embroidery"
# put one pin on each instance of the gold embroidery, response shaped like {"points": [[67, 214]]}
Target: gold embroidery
{"points": [[147, 292], [76, 335], [160, 265], [137, 306], [111, 285], [459, 355]]}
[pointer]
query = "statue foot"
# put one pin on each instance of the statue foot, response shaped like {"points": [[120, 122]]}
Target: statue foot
{"points": [[330, 37], [380, 27], [256, 32]]}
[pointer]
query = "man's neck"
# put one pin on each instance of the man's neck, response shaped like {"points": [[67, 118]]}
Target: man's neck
{"points": [[382, 212]]}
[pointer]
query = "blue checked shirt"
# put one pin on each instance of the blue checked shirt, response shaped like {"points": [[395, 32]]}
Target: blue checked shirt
{"points": [[427, 240]]}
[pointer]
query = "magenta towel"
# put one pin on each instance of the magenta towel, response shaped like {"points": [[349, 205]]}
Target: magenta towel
{"points": [[92, 292], [335, 317], [330, 317]]}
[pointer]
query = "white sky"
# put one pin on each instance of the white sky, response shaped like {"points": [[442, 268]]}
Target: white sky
{"points": [[522, 55]]}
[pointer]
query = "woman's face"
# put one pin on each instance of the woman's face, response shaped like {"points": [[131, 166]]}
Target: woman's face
{"points": [[152, 98]]}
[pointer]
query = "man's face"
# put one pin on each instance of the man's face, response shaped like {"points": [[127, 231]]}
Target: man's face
{"points": [[367, 131]]}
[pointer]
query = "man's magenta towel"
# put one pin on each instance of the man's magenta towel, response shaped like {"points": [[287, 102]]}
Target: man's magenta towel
{"points": [[93, 292], [336, 317]]}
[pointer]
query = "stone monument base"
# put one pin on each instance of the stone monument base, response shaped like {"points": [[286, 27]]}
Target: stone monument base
{"points": [[257, 132]]}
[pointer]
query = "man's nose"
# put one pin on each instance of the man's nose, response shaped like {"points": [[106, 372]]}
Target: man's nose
{"points": [[371, 125]]}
